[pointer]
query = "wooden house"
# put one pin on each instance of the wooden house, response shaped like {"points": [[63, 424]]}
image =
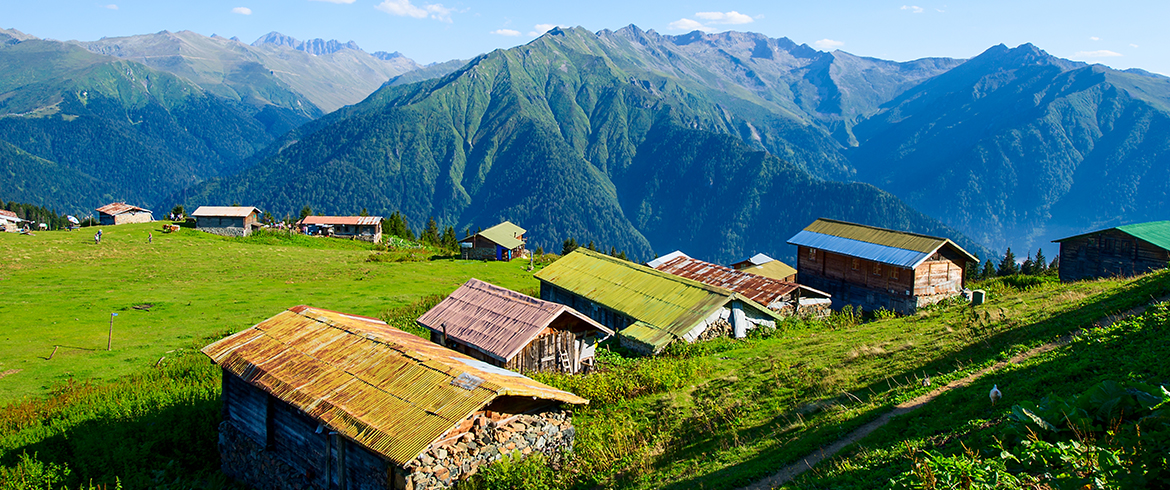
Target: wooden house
{"points": [[504, 241], [783, 297], [226, 220], [367, 228], [119, 213], [1122, 251], [874, 268], [512, 330], [648, 308], [318, 399], [763, 265], [9, 222]]}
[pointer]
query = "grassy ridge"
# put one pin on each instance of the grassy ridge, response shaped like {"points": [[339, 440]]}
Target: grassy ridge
{"points": [[60, 289]]}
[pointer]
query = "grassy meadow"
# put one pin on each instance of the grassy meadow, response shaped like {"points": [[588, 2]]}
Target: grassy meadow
{"points": [[59, 288], [718, 414]]}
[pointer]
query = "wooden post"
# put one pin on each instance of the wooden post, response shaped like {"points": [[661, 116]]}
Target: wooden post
{"points": [[55, 347], [110, 338]]}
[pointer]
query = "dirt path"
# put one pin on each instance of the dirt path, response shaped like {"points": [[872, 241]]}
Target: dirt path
{"points": [[795, 469]]}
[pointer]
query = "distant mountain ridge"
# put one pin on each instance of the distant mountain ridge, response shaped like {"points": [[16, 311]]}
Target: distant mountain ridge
{"points": [[316, 46]]}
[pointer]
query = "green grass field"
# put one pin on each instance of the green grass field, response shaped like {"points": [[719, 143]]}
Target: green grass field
{"points": [[719, 414], [60, 289]]}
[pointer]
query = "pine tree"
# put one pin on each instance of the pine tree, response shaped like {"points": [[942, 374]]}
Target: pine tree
{"points": [[1041, 262], [178, 210], [539, 250], [1054, 266], [1008, 266], [364, 212], [306, 212], [1028, 268], [591, 246], [449, 240], [569, 246], [988, 270], [971, 272], [430, 234]]}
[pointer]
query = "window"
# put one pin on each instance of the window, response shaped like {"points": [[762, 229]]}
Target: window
{"points": [[812, 254], [894, 273], [877, 269], [856, 264]]}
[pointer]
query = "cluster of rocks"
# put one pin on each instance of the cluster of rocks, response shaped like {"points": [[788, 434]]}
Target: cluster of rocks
{"points": [[233, 231], [487, 441], [245, 460]]}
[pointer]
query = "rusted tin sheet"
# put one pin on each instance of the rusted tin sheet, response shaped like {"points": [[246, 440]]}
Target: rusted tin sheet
{"points": [[116, 208], [498, 321], [225, 211], [763, 290], [383, 388], [341, 220]]}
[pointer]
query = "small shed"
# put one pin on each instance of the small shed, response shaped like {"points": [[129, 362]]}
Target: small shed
{"points": [[120, 213], [367, 228], [1121, 251], [504, 241], [314, 398], [226, 220], [9, 222], [648, 308], [513, 330], [763, 265], [783, 297], [875, 268]]}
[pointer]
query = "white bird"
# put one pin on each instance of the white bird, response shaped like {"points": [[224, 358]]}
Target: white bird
{"points": [[995, 394]]}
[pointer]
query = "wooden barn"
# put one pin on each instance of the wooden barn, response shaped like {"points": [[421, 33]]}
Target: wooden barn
{"points": [[9, 222], [783, 297], [367, 228], [763, 265], [504, 241], [648, 308], [316, 399], [226, 220], [120, 213], [874, 268], [512, 330], [1122, 251]]}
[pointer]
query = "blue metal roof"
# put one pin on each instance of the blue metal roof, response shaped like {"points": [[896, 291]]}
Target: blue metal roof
{"points": [[870, 251]]}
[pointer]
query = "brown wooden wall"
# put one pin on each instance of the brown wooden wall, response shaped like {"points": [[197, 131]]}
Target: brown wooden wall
{"points": [[873, 285], [1107, 254]]}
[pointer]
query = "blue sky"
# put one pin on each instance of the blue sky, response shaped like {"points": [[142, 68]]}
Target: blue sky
{"points": [[1118, 34]]}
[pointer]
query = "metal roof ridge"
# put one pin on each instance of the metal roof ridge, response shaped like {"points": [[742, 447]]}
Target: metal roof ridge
{"points": [[658, 273], [900, 232]]}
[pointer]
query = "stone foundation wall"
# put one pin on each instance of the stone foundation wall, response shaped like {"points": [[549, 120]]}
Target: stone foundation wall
{"points": [[225, 231], [245, 460], [721, 328], [462, 453], [478, 253]]}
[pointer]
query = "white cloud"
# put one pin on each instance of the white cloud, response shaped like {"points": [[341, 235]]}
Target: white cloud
{"points": [[110, 6], [539, 29], [242, 11], [1101, 53], [1133, 45], [828, 44], [913, 8], [1094, 38], [334, 1], [404, 8], [506, 32], [690, 25], [732, 17]]}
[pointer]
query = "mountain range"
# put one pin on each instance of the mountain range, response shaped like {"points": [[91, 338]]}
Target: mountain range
{"points": [[727, 143]]}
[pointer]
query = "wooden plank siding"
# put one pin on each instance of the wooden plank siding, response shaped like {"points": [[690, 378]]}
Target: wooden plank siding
{"points": [[872, 285], [1107, 254]]}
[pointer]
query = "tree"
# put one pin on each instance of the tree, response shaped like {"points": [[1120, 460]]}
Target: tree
{"points": [[569, 246], [178, 210], [591, 246], [448, 240], [1008, 266], [1028, 268], [306, 212], [431, 233], [1041, 262], [1054, 266], [971, 272], [364, 212], [268, 219], [396, 225], [539, 250], [988, 270]]}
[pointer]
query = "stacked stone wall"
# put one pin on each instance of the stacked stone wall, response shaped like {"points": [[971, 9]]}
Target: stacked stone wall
{"points": [[478, 253], [225, 231], [245, 460]]}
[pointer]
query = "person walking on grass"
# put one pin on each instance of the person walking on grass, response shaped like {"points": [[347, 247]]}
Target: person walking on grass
{"points": [[150, 237], [96, 238]]}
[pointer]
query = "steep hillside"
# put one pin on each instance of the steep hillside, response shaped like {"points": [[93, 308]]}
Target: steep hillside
{"points": [[1016, 147], [554, 135], [105, 129], [311, 77]]}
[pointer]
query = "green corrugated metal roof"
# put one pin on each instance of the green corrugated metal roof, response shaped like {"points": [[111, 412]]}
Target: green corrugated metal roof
{"points": [[504, 234], [1155, 232], [873, 234], [656, 338], [664, 302]]}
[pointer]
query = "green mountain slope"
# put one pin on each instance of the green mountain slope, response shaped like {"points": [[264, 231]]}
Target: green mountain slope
{"points": [[139, 133], [1016, 147], [555, 136], [311, 77]]}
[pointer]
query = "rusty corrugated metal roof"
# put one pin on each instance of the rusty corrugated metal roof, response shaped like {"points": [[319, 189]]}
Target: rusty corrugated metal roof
{"points": [[388, 390], [9, 214], [763, 290], [899, 248], [496, 320], [228, 211], [662, 301], [116, 208], [341, 220]]}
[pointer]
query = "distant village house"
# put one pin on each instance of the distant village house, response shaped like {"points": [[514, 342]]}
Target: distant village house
{"points": [[9, 222], [1124, 251], [314, 398], [504, 241], [120, 213], [763, 265], [874, 268], [513, 330], [648, 308], [783, 297], [226, 220], [367, 228]]}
